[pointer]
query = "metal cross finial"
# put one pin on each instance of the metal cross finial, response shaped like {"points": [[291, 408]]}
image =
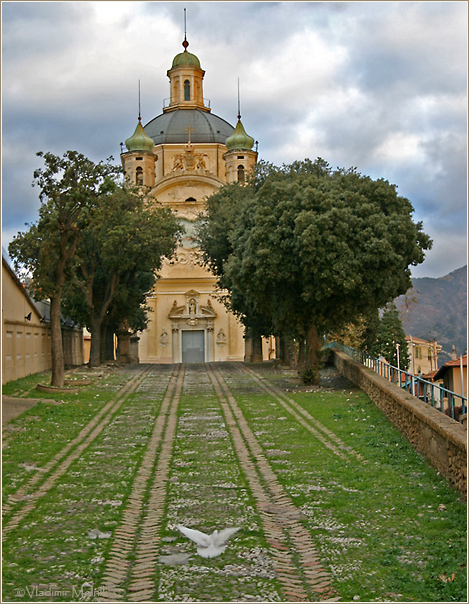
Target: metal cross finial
{"points": [[239, 104]]}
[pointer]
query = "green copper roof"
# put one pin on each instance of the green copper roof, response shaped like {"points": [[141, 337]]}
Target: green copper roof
{"points": [[139, 141], [186, 59], [239, 139]]}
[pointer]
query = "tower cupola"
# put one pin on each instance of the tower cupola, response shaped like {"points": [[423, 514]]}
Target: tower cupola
{"points": [[139, 160], [139, 141], [186, 82], [239, 159], [239, 139]]}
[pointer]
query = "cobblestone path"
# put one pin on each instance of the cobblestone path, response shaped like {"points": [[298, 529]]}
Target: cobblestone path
{"points": [[210, 446], [133, 567], [288, 539], [202, 467], [42, 482]]}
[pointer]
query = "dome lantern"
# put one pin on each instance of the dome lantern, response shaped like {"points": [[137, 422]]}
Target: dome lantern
{"points": [[186, 82]]}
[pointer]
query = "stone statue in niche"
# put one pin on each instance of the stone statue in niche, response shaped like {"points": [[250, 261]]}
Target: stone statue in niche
{"points": [[221, 338], [164, 338], [192, 306]]}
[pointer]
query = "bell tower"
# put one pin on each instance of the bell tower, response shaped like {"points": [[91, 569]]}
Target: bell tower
{"points": [[239, 159], [139, 160]]}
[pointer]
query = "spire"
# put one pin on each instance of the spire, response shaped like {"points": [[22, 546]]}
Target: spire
{"points": [[185, 58], [239, 139], [185, 43], [139, 141], [139, 112]]}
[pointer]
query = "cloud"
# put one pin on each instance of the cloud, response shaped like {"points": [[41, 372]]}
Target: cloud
{"points": [[377, 85]]}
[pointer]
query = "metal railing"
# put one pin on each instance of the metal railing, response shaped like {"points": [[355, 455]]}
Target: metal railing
{"points": [[167, 102], [440, 398]]}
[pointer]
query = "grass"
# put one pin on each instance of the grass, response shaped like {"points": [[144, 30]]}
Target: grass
{"points": [[377, 523], [388, 527], [36, 436]]}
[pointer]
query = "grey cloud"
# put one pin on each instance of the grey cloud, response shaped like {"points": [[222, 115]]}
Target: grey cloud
{"points": [[398, 68]]}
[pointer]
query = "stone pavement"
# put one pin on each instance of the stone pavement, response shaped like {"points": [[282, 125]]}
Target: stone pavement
{"points": [[14, 406], [205, 446]]}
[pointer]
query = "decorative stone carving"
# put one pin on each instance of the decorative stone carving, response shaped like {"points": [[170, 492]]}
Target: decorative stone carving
{"points": [[190, 161], [186, 258], [192, 312], [221, 338], [164, 338], [192, 306]]}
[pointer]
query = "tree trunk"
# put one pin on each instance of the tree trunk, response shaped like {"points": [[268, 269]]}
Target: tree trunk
{"points": [[57, 350], [103, 345], [278, 348], [95, 352], [110, 344], [292, 354], [257, 356], [313, 345], [285, 353], [301, 355]]}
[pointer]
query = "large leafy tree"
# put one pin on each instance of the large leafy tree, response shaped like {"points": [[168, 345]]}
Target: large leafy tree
{"points": [[313, 248], [122, 247], [215, 236], [70, 187]]}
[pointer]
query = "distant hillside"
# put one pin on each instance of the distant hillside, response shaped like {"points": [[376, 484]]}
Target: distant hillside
{"points": [[437, 308]]}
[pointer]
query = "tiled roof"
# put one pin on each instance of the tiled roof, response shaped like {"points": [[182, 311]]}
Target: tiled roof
{"points": [[457, 362], [447, 366]]}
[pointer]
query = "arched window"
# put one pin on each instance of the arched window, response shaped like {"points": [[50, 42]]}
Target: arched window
{"points": [[191, 199], [187, 91], [139, 175], [240, 173]]}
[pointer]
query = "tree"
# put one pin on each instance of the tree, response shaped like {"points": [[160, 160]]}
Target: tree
{"points": [[389, 336], [312, 249], [215, 238], [121, 249], [71, 186]]}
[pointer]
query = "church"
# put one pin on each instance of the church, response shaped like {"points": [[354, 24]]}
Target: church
{"points": [[183, 156]]}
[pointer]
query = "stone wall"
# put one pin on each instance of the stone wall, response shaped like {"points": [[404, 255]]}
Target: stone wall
{"points": [[27, 349], [442, 440]]}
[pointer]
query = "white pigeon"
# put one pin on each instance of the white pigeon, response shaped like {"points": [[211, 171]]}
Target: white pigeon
{"points": [[212, 545]]}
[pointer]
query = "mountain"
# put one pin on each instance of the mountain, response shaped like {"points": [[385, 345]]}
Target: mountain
{"points": [[437, 308]]}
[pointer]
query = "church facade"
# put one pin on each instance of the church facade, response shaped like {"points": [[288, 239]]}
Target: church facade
{"points": [[183, 156]]}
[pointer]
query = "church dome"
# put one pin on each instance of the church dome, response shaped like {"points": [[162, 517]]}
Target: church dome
{"points": [[139, 141], [239, 139], [175, 126], [184, 59]]}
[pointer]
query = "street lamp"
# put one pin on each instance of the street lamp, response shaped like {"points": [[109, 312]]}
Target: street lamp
{"points": [[398, 364]]}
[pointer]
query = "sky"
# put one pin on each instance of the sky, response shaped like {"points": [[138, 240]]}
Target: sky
{"points": [[379, 86]]}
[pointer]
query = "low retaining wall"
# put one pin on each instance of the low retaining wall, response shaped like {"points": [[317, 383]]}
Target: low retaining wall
{"points": [[442, 440]]}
